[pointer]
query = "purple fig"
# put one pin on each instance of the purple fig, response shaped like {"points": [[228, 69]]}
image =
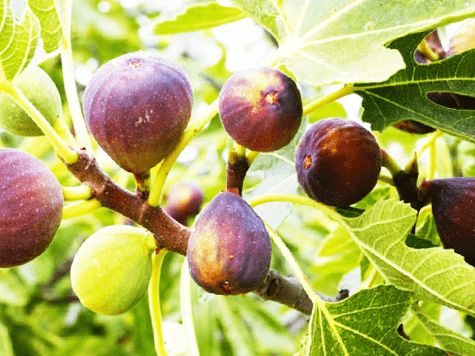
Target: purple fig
{"points": [[31, 206], [184, 201], [453, 203], [261, 109], [229, 250], [338, 162], [137, 107]]}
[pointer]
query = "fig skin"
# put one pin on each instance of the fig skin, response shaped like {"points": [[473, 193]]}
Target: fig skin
{"points": [[261, 109], [229, 250], [31, 207], [111, 271], [453, 203], [338, 162], [184, 201], [137, 107], [41, 91]]}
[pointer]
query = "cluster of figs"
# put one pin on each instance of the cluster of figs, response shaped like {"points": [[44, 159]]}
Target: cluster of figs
{"points": [[137, 107]]}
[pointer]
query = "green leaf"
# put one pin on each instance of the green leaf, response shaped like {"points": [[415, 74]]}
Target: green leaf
{"points": [[404, 95], [277, 175], [197, 17], [339, 41], [367, 320], [446, 338], [18, 40], [48, 15], [434, 274]]}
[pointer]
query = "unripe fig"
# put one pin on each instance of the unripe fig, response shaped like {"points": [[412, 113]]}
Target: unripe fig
{"points": [[261, 109], [453, 203], [184, 201], [137, 107], [31, 206], [338, 162], [41, 91], [112, 268], [229, 250]]}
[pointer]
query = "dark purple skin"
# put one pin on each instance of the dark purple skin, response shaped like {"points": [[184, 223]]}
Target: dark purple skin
{"points": [[184, 201], [137, 107], [31, 206], [453, 204], [261, 109], [229, 250], [338, 162]]}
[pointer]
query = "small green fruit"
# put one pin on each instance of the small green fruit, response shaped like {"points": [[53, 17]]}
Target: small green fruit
{"points": [[41, 91], [111, 271]]}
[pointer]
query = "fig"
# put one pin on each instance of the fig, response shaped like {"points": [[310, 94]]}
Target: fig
{"points": [[338, 162], [261, 109], [184, 201], [112, 268], [453, 203], [41, 91], [464, 39], [137, 107], [31, 207], [229, 250], [413, 126]]}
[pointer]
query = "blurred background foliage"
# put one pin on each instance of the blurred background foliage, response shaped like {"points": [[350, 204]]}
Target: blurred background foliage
{"points": [[39, 314]]}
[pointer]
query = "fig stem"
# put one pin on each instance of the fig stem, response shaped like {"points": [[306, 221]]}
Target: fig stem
{"points": [[154, 302], [186, 310], [193, 129], [317, 104], [58, 143], [388, 162], [70, 82], [62, 129], [236, 170], [82, 208], [81, 192], [386, 179]]}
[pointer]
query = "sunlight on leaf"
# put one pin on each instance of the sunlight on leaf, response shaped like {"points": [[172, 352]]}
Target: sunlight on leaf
{"points": [[336, 41], [48, 16], [18, 40]]}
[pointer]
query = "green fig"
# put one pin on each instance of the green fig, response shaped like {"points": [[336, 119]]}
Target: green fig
{"points": [[111, 271], [41, 91]]}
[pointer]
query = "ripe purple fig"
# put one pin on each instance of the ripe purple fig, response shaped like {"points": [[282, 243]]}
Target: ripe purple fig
{"points": [[338, 162], [184, 201], [453, 203], [261, 109], [31, 206], [137, 107], [229, 250]]}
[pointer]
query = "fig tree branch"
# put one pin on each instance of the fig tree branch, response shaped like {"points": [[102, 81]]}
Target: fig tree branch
{"points": [[173, 236]]}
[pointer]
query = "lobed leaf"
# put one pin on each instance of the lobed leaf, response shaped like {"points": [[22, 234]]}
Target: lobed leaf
{"points": [[197, 17], [365, 322], [343, 41], [404, 95], [433, 274]]}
